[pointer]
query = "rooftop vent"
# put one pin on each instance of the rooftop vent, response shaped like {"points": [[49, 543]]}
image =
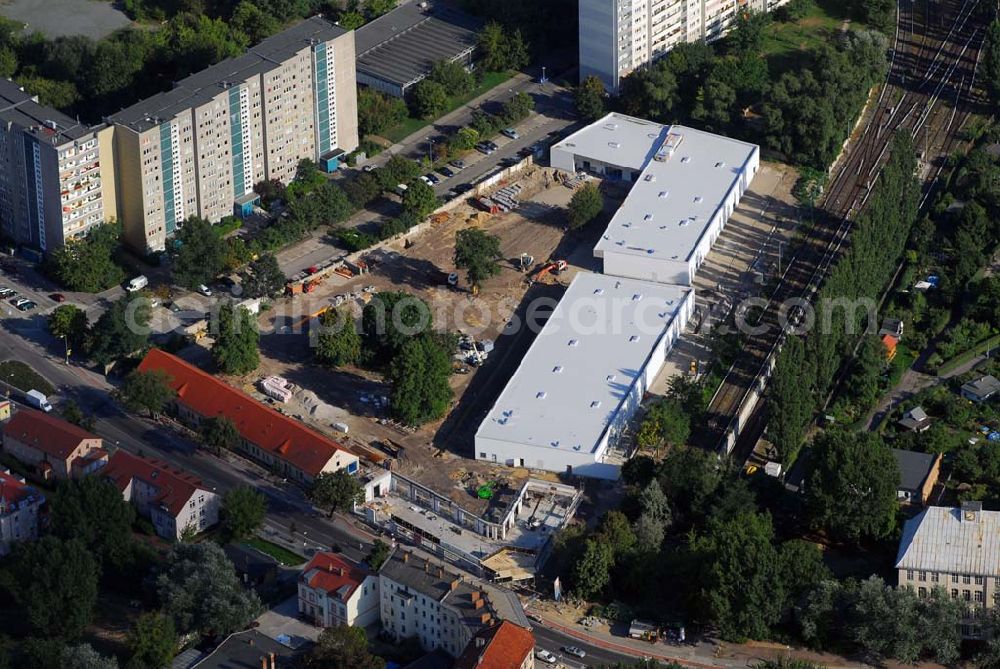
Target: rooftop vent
{"points": [[611, 126], [634, 338], [636, 297], [649, 177], [720, 164], [598, 291], [540, 395], [647, 217], [615, 145], [698, 199], [610, 378], [686, 159], [684, 223], [595, 404], [664, 194], [557, 369], [574, 342]]}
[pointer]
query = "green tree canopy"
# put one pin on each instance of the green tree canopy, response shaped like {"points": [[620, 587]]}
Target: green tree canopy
{"points": [[378, 555], [419, 199], [146, 391], [263, 277], [69, 322], [851, 490], [336, 491], [428, 98], [342, 647], [477, 252], [991, 60], [198, 588], [55, 584], [83, 656], [88, 264], [235, 350], [389, 321], [378, 112], [585, 205], [592, 571], [419, 375], [589, 98], [198, 253], [120, 332], [152, 641], [338, 342], [790, 399], [92, 511], [243, 511], [219, 433]]}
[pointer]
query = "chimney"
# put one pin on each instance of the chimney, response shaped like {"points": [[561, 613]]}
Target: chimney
{"points": [[485, 618], [477, 604], [250, 641], [406, 557], [263, 662], [971, 511], [454, 583], [440, 572], [271, 656]]}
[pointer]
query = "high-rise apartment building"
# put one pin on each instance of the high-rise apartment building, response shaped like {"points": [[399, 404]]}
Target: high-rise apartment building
{"points": [[56, 174], [619, 36], [199, 148]]}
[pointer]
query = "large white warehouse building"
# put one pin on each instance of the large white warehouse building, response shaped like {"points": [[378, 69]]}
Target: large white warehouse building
{"points": [[687, 184], [584, 376]]}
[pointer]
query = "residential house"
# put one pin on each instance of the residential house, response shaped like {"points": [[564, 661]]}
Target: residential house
{"points": [[255, 569], [19, 511], [421, 598], [890, 343], [893, 327], [250, 650], [918, 474], [277, 441], [981, 389], [957, 549], [173, 500], [503, 646], [334, 591], [915, 420], [52, 447]]}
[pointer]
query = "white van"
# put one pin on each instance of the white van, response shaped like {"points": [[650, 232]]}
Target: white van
{"points": [[138, 283]]}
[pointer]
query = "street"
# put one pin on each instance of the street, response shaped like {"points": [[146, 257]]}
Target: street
{"points": [[553, 641]]}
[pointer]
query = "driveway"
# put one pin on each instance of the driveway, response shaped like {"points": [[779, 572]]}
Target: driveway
{"points": [[283, 621]]}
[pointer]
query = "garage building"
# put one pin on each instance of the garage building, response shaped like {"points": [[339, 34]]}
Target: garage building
{"points": [[687, 183], [585, 374]]}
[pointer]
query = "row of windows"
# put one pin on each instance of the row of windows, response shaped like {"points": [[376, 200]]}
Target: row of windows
{"points": [[967, 579]]}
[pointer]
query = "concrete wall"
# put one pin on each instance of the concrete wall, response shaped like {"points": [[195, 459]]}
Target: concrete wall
{"points": [[634, 266], [599, 41], [346, 91]]}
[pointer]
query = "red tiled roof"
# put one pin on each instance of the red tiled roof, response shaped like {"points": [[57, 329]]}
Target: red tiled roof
{"points": [[257, 423], [53, 436], [330, 572], [174, 487], [506, 646], [12, 490]]}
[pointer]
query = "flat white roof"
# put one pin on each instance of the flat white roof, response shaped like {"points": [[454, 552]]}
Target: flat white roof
{"points": [[674, 200], [582, 364]]}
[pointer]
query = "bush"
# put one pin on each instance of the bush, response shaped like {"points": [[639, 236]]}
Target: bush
{"points": [[353, 240]]}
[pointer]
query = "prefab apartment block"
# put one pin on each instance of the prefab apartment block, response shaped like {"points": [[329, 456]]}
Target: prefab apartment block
{"points": [[686, 183], [584, 376]]}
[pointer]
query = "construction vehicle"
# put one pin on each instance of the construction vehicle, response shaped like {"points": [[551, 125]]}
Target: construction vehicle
{"points": [[553, 266], [525, 261]]}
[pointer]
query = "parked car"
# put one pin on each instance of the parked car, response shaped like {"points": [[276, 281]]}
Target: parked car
{"points": [[545, 656], [462, 188], [7, 292], [27, 305], [432, 179], [458, 164], [57, 297], [510, 132], [426, 180], [485, 147], [17, 299], [447, 172], [205, 290], [493, 145], [575, 651], [368, 168]]}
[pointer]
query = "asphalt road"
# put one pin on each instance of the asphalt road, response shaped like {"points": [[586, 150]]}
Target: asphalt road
{"points": [[554, 641]]}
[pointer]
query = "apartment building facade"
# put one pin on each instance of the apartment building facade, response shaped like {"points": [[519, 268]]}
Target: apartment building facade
{"points": [[56, 174], [334, 591], [620, 36], [19, 511], [958, 549], [199, 148], [53, 448]]}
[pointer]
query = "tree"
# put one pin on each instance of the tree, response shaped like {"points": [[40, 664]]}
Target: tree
{"points": [[419, 199], [585, 205], [429, 98], [589, 98], [69, 322], [198, 588], [851, 490], [87, 264], [121, 331], [55, 584], [867, 370], [378, 554], [592, 571], [351, 20], [747, 34], [254, 22], [72, 412], [389, 321], [336, 491], [263, 277], [8, 62], [477, 252], [790, 401], [397, 170], [152, 641], [235, 350], [517, 108], [376, 8], [147, 391], [377, 112], [198, 253], [219, 433], [991, 60], [92, 511], [452, 75], [615, 530], [493, 47], [243, 511], [83, 656], [342, 647], [464, 139], [741, 588], [338, 342], [689, 477], [419, 376]]}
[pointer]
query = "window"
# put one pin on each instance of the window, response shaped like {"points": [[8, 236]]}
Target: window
{"points": [[935, 576], [966, 579], [922, 592], [966, 595], [979, 596], [954, 593], [979, 580], [922, 576], [909, 574]]}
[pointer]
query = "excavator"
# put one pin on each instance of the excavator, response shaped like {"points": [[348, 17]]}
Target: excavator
{"points": [[553, 266]]}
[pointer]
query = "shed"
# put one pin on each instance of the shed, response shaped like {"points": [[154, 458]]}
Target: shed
{"points": [[915, 420], [918, 473], [981, 389]]}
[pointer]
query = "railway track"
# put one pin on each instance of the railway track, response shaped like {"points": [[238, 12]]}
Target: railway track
{"points": [[932, 61]]}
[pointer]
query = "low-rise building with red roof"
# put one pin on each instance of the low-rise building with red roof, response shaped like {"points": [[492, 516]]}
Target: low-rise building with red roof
{"points": [[278, 441], [52, 447], [503, 646], [335, 591], [19, 511], [173, 500]]}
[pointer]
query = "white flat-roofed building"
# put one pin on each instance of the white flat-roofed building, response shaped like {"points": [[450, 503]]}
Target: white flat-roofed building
{"points": [[584, 376], [687, 183]]}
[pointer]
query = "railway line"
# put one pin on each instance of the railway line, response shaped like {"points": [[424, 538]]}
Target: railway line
{"points": [[932, 62]]}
